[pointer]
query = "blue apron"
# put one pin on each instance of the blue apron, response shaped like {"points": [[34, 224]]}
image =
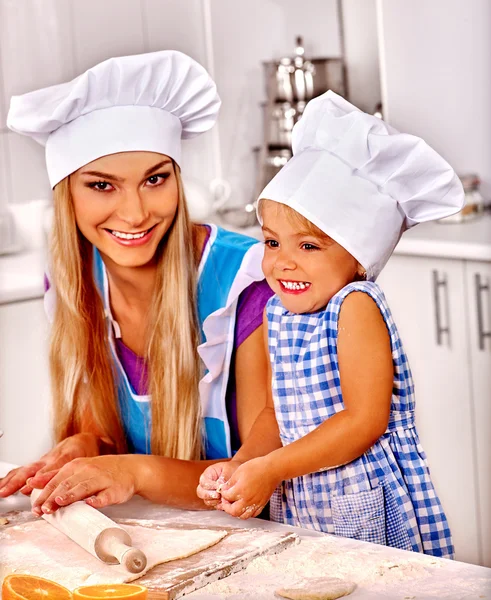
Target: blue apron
{"points": [[230, 263]]}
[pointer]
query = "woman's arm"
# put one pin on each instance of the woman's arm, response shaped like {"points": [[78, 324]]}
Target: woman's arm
{"points": [[366, 372]]}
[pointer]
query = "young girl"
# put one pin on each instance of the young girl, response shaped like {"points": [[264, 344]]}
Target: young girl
{"points": [[349, 461]]}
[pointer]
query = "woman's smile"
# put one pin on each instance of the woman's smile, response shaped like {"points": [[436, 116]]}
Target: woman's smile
{"points": [[131, 239]]}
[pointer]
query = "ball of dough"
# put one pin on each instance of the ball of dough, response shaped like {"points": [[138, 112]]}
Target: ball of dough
{"points": [[320, 588]]}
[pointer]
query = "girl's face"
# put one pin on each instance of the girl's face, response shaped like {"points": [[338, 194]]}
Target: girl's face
{"points": [[125, 203], [304, 270]]}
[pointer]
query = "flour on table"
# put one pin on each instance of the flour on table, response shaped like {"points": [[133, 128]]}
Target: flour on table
{"points": [[320, 588], [37, 548]]}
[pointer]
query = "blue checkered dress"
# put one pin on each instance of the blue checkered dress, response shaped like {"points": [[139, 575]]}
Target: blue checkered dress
{"points": [[385, 496]]}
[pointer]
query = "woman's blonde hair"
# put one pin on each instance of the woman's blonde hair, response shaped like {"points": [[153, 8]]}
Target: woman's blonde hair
{"points": [[83, 375]]}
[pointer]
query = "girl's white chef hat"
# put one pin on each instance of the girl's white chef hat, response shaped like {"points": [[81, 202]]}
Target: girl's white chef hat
{"points": [[362, 182], [144, 102]]}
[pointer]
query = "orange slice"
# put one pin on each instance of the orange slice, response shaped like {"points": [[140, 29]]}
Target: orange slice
{"points": [[114, 591], [29, 587]]}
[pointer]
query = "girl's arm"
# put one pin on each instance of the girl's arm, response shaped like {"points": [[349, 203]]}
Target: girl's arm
{"points": [[366, 373]]}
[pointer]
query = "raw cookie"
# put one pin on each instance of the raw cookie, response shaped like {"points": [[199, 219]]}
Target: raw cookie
{"points": [[321, 588]]}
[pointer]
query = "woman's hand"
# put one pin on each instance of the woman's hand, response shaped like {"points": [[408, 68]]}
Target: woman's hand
{"points": [[101, 481], [212, 479], [247, 492], [75, 446]]}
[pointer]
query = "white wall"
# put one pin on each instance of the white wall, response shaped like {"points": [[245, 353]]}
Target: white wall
{"points": [[361, 53], [43, 42], [437, 77]]}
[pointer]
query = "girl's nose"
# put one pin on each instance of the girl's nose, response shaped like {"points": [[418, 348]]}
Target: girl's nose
{"points": [[132, 209], [284, 262]]}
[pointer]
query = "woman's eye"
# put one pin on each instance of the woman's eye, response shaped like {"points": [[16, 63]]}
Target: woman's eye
{"points": [[308, 246], [155, 180], [101, 186], [271, 243]]}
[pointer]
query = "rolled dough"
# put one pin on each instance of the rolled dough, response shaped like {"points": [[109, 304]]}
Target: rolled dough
{"points": [[37, 548], [320, 588]]}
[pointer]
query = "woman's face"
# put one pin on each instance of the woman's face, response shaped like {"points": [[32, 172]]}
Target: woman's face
{"points": [[125, 203]]}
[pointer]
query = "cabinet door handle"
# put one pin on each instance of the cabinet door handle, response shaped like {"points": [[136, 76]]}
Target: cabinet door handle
{"points": [[480, 289], [440, 329]]}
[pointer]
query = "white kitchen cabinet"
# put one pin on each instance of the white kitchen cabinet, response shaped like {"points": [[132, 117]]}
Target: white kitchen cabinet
{"points": [[24, 382], [478, 286]]}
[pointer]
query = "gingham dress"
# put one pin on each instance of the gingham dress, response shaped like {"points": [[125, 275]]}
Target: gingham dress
{"points": [[385, 496]]}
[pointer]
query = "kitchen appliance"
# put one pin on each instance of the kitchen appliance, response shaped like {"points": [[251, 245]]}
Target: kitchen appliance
{"points": [[291, 82]]}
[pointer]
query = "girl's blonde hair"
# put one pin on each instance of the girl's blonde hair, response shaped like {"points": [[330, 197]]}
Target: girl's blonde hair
{"points": [[296, 219], [83, 375]]}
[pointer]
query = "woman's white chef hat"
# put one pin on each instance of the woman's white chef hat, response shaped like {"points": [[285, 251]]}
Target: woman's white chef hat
{"points": [[362, 182], [145, 102]]}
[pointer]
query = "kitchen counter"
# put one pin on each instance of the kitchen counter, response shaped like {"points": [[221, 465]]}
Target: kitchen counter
{"points": [[379, 572], [468, 241]]}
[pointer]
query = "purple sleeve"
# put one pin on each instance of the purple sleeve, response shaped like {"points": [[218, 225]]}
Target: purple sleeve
{"points": [[250, 309]]}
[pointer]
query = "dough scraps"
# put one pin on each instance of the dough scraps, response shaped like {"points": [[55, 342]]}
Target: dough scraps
{"points": [[321, 588], [37, 548]]}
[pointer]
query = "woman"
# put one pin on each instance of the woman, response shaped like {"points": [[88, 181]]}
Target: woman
{"points": [[140, 299]]}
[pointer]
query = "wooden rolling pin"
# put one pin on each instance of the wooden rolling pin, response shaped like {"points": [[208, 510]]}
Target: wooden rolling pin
{"points": [[97, 534]]}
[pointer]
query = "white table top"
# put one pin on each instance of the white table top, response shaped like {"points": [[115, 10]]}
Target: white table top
{"points": [[380, 572]]}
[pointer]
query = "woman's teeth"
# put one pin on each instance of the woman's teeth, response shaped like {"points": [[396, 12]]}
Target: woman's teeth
{"points": [[129, 236], [295, 285]]}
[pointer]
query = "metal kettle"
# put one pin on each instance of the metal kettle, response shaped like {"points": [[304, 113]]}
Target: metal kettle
{"points": [[295, 77]]}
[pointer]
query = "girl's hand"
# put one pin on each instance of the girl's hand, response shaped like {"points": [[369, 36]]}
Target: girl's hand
{"points": [[211, 481], [75, 446], [249, 489], [101, 481]]}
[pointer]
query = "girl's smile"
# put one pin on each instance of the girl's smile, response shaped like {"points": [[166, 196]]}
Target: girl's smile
{"points": [[294, 287]]}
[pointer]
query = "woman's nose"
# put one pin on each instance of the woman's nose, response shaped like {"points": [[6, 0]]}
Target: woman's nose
{"points": [[132, 209]]}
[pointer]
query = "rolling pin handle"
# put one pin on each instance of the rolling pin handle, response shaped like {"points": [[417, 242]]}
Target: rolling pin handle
{"points": [[134, 560]]}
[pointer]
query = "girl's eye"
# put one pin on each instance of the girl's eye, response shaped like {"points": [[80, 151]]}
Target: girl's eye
{"points": [[155, 180], [101, 186], [271, 243], [308, 246]]}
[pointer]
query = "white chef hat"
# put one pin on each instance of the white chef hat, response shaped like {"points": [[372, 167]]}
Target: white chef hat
{"points": [[145, 102], [362, 182]]}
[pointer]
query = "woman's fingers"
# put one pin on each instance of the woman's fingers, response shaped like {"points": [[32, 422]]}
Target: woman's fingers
{"points": [[17, 478]]}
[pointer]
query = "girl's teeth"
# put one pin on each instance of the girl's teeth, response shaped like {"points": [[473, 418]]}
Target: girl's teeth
{"points": [[128, 236], [295, 285]]}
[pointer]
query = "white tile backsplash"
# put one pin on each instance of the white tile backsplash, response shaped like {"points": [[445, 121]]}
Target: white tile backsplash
{"points": [[106, 28], [35, 46], [29, 180]]}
